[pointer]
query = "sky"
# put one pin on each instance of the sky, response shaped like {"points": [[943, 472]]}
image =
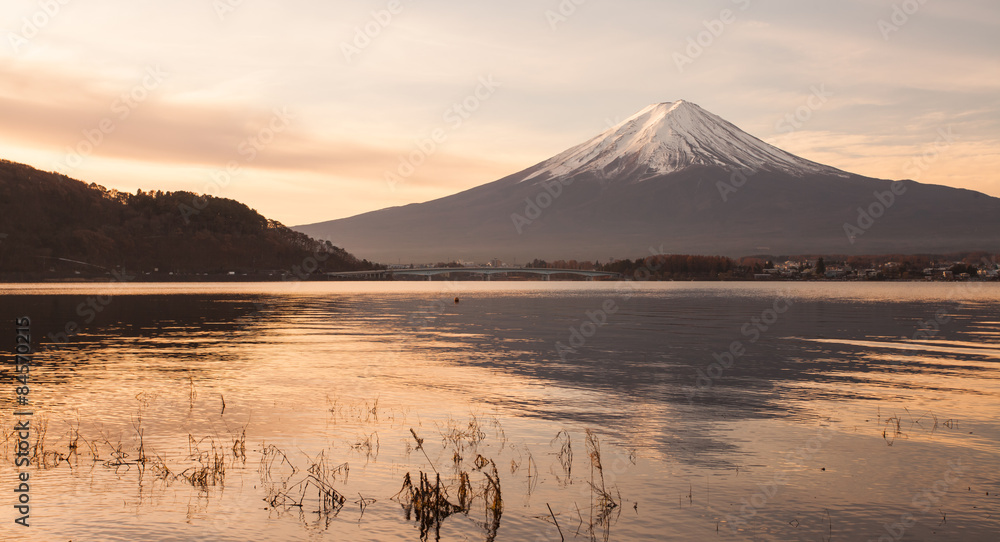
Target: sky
{"points": [[311, 110]]}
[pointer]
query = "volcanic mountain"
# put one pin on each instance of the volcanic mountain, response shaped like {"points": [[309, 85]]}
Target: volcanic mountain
{"points": [[682, 180]]}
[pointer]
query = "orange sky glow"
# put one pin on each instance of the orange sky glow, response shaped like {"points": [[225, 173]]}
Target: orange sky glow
{"points": [[303, 110]]}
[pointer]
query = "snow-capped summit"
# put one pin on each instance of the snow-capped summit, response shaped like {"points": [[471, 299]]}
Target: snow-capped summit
{"points": [[668, 137], [665, 178]]}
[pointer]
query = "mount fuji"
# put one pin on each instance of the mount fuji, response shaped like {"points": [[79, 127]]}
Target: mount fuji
{"points": [[679, 178], [669, 137]]}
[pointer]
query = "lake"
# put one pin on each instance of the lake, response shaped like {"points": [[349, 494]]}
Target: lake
{"points": [[530, 410]]}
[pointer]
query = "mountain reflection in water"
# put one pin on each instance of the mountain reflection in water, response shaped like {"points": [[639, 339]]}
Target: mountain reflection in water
{"points": [[713, 417]]}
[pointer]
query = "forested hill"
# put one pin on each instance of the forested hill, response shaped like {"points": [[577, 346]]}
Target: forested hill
{"points": [[52, 226]]}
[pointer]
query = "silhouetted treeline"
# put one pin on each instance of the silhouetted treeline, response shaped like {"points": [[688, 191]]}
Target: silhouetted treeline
{"points": [[673, 266], [871, 267], [562, 264], [48, 219]]}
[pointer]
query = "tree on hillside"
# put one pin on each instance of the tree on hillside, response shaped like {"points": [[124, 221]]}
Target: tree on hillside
{"points": [[55, 224]]}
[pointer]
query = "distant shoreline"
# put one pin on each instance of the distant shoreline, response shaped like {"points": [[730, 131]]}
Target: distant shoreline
{"points": [[213, 279]]}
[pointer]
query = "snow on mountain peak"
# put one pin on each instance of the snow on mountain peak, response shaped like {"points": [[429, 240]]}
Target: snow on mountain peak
{"points": [[671, 136]]}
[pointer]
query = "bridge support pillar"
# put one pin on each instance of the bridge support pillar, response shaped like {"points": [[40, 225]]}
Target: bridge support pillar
{"points": [[547, 277], [429, 277]]}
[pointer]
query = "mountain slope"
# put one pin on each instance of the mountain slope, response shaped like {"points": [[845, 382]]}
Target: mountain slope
{"points": [[678, 177], [668, 137], [56, 226]]}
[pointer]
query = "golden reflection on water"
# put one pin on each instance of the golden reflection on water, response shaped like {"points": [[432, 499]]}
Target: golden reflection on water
{"points": [[978, 349], [834, 407]]}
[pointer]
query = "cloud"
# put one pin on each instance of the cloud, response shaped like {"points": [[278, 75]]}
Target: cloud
{"points": [[563, 85], [55, 110]]}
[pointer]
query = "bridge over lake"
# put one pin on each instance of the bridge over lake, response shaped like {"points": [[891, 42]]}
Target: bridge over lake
{"points": [[487, 272]]}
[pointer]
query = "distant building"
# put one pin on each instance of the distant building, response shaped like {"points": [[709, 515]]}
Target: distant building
{"points": [[939, 273], [836, 273]]}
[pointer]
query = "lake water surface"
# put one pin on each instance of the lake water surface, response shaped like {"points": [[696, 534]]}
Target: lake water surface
{"points": [[622, 411]]}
